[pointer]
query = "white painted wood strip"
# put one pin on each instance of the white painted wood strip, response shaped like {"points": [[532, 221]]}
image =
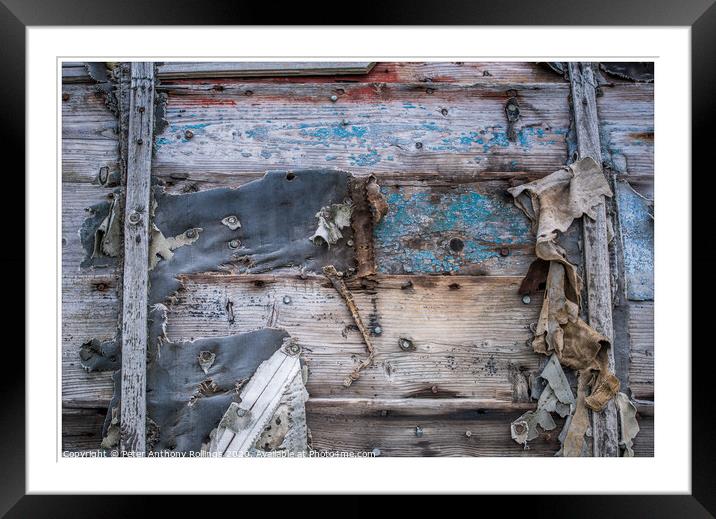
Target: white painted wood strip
{"points": [[596, 249], [262, 411], [249, 397], [136, 253]]}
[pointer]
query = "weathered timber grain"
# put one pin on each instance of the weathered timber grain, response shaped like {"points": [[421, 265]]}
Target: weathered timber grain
{"points": [[468, 331], [626, 121], [371, 128], [596, 249], [383, 72], [136, 253], [641, 335]]}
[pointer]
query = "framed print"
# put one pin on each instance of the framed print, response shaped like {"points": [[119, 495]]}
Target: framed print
{"points": [[415, 250]]}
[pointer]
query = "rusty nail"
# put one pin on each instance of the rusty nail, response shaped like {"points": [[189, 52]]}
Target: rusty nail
{"points": [[140, 141], [234, 244], [191, 233], [334, 98], [188, 134], [141, 109], [134, 217], [504, 251], [287, 300], [418, 431], [526, 299], [65, 96]]}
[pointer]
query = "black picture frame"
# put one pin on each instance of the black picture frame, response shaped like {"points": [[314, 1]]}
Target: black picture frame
{"points": [[700, 15]]}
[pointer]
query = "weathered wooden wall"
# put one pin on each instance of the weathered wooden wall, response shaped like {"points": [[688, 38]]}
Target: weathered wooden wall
{"points": [[435, 136]]}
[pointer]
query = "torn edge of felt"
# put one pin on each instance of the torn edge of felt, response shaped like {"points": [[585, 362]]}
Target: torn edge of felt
{"points": [[552, 203]]}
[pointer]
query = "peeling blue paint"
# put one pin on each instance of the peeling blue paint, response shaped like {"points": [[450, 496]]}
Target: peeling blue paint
{"points": [[637, 229], [365, 159], [418, 228]]}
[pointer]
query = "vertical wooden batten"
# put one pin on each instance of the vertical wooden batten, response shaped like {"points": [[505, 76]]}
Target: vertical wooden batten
{"points": [[596, 245], [136, 252]]}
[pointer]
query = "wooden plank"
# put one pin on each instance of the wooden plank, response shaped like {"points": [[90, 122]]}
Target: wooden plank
{"points": [[209, 69], [441, 434], [253, 127], [81, 429], [469, 72], [136, 254], [469, 332], [89, 296], [641, 338], [626, 121], [637, 228], [596, 249]]}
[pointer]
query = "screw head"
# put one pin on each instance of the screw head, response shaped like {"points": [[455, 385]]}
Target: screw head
{"points": [[504, 251], [418, 431], [376, 452], [134, 217], [526, 299], [141, 109], [188, 134], [512, 108], [234, 244], [377, 330], [140, 141], [232, 219], [468, 434], [349, 243], [419, 145], [334, 98], [434, 390], [287, 300]]}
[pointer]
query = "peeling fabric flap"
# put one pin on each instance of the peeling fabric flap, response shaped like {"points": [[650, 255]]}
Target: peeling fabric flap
{"points": [[277, 215], [628, 426], [186, 402], [552, 204]]}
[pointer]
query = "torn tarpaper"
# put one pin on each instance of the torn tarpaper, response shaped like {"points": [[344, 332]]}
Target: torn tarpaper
{"points": [[552, 204], [628, 426], [331, 219], [556, 397], [274, 217], [101, 235], [185, 397]]}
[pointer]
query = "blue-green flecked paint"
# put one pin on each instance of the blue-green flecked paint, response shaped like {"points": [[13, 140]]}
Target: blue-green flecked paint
{"points": [[418, 228], [176, 133], [637, 229]]}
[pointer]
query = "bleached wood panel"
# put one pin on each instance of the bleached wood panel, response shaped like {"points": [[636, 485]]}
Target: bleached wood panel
{"points": [[241, 127], [467, 330], [641, 336]]}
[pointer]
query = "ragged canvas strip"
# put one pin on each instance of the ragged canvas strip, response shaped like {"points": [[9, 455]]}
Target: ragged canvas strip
{"points": [[552, 204]]}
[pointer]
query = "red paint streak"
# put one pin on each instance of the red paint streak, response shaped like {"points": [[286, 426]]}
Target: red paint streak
{"points": [[207, 101]]}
